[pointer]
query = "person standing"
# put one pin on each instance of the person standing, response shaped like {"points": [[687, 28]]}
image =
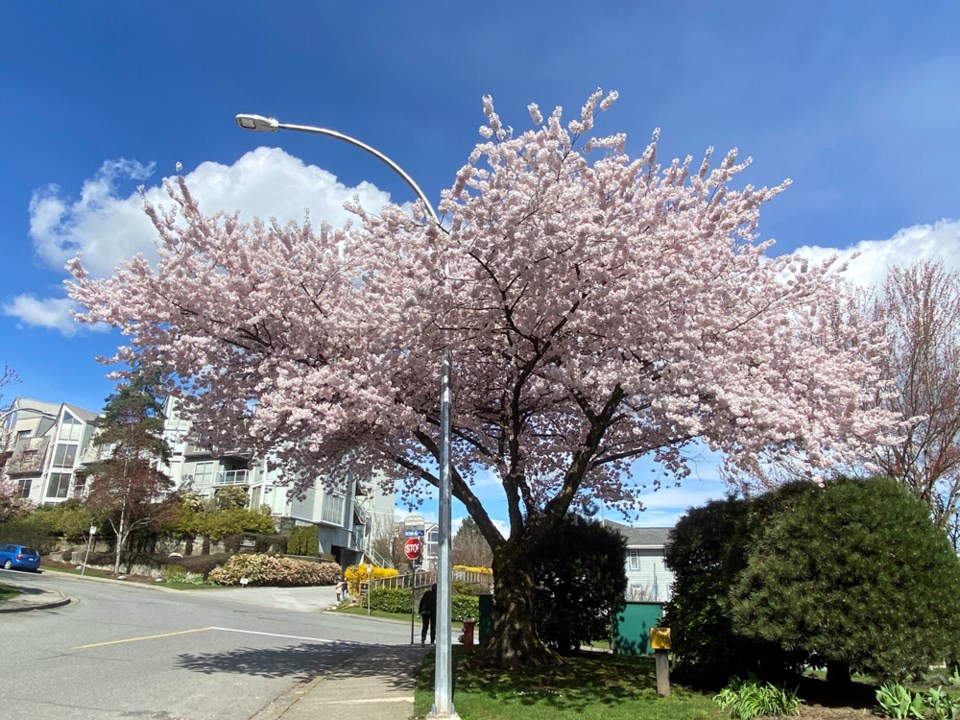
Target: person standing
{"points": [[428, 615]]}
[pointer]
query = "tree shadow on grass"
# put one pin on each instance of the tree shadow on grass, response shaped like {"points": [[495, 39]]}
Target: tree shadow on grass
{"points": [[393, 664], [584, 680]]}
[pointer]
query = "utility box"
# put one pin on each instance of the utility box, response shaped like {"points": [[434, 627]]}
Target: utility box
{"points": [[634, 626], [485, 621]]}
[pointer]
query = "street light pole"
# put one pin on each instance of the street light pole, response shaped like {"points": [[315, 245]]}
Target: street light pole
{"points": [[443, 685]]}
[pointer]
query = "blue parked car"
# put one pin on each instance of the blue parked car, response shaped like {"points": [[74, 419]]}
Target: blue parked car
{"points": [[19, 556]]}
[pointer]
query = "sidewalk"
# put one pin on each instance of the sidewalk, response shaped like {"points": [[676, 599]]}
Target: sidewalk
{"points": [[32, 599], [375, 685]]}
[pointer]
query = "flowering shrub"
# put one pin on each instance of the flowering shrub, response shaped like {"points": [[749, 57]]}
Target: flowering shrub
{"points": [[469, 568], [464, 606], [356, 574], [273, 570]]}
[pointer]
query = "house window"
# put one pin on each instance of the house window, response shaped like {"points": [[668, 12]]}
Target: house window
{"points": [[80, 486], [58, 486], [64, 455], [23, 434], [70, 427], [23, 487], [633, 559], [203, 474], [333, 506]]}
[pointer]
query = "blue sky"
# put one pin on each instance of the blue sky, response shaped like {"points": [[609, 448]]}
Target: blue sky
{"points": [[858, 103]]}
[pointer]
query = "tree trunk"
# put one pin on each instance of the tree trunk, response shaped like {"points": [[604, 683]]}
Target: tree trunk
{"points": [[120, 540], [838, 674], [514, 643]]}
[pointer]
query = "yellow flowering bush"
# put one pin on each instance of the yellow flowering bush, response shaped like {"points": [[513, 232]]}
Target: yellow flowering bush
{"points": [[468, 568], [356, 574]]}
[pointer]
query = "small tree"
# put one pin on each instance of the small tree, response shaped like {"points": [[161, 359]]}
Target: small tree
{"points": [[126, 483], [919, 310], [470, 547], [581, 583], [230, 497], [10, 505], [857, 577], [388, 544], [304, 541]]}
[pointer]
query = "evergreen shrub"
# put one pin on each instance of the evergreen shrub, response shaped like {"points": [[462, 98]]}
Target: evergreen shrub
{"points": [[304, 540]]}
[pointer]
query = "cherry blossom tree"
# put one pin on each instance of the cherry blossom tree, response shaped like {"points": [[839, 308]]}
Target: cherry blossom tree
{"points": [[9, 500], [599, 309]]}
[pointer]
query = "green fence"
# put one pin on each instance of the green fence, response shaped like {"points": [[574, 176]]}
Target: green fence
{"points": [[631, 631]]}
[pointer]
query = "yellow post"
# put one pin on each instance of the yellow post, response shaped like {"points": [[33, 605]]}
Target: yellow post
{"points": [[660, 642]]}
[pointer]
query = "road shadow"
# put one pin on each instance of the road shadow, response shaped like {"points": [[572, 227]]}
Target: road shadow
{"points": [[305, 661]]}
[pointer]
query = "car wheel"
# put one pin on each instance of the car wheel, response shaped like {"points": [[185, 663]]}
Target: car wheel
{"points": [[7, 565]]}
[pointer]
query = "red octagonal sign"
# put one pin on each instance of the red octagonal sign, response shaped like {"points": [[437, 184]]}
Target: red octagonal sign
{"points": [[412, 548]]}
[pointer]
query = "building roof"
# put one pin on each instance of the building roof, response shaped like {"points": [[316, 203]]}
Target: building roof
{"points": [[647, 537], [82, 413]]}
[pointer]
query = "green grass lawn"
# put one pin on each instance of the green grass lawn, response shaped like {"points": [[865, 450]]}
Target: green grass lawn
{"points": [[7, 592], [591, 686]]}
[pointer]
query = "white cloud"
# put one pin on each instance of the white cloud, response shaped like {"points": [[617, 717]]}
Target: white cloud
{"points": [[106, 225], [939, 241], [51, 313]]}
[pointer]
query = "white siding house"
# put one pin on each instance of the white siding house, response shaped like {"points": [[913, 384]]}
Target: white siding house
{"points": [[648, 577]]}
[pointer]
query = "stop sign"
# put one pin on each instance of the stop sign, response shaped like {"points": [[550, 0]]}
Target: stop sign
{"points": [[412, 548]]}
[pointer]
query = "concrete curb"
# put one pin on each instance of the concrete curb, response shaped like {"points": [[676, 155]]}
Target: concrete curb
{"points": [[45, 601]]}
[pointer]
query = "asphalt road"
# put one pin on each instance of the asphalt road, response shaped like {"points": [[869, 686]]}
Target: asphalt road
{"points": [[127, 651]]}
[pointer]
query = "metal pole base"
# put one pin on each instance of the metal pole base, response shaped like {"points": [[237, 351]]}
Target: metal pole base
{"points": [[434, 715]]}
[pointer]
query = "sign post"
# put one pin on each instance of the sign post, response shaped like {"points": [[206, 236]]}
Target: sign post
{"points": [[412, 548], [86, 555]]}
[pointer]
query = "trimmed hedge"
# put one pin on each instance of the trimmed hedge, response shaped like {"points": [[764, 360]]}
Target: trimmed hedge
{"points": [[391, 600], [276, 571], [397, 600]]}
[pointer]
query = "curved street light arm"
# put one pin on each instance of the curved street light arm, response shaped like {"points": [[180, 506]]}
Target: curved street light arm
{"points": [[263, 124]]}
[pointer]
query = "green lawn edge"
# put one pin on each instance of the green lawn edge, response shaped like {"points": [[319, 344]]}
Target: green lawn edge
{"points": [[8, 591]]}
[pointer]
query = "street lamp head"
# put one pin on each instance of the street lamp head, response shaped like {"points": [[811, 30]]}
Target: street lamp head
{"points": [[257, 122]]}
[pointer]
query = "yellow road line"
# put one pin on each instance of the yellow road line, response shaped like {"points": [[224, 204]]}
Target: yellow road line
{"points": [[143, 637]]}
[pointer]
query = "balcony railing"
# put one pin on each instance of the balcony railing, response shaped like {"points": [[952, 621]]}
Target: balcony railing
{"points": [[232, 477]]}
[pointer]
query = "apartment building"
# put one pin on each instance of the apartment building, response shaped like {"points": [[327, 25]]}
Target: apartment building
{"points": [[346, 516], [42, 447]]}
